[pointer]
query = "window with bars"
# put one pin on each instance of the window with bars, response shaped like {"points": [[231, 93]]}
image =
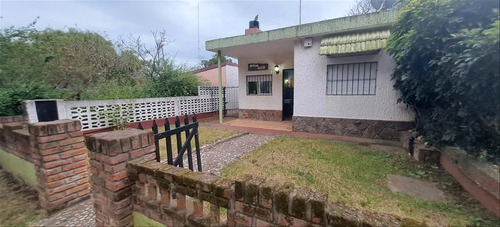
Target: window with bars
{"points": [[352, 79], [260, 85]]}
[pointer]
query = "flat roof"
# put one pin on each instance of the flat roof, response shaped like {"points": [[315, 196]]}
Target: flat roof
{"points": [[334, 26]]}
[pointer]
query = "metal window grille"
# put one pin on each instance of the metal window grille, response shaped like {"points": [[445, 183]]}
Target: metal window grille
{"points": [[260, 85], [352, 79]]}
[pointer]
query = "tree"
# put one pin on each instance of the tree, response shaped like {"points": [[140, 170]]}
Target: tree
{"points": [[162, 77], [71, 61], [360, 7], [365, 6], [447, 57], [20, 58], [213, 60]]}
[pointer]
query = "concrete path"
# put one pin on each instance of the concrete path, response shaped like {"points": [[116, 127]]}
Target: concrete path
{"points": [[417, 188]]}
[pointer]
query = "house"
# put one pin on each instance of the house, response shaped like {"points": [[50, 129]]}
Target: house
{"points": [[211, 74], [331, 76]]}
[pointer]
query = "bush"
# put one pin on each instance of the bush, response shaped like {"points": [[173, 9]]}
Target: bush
{"points": [[12, 96], [447, 69], [115, 89]]}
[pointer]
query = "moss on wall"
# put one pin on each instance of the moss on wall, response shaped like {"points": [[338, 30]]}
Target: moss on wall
{"points": [[143, 221], [18, 167]]}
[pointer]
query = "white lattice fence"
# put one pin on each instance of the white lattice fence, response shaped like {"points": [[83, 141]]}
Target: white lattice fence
{"points": [[208, 91], [99, 113]]}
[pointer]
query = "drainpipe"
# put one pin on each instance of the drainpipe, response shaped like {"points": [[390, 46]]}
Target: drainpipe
{"points": [[219, 59]]}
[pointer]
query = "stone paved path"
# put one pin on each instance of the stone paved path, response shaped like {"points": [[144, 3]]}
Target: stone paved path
{"points": [[214, 158], [81, 214]]}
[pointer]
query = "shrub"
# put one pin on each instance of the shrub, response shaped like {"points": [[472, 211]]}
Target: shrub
{"points": [[12, 96], [447, 69]]}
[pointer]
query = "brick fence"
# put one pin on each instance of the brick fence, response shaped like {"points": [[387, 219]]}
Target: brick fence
{"points": [[127, 183], [10, 119], [112, 189], [57, 151]]}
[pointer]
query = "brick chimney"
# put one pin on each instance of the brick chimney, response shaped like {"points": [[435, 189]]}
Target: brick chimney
{"points": [[253, 26]]}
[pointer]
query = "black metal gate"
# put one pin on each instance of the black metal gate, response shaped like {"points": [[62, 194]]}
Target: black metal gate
{"points": [[190, 130]]}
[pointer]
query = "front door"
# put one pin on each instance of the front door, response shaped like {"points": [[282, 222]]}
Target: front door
{"points": [[287, 94]]}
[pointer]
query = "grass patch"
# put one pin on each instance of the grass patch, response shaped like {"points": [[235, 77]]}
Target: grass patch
{"points": [[206, 135], [355, 176], [18, 203]]}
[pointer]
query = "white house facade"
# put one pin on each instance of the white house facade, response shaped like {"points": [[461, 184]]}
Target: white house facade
{"points": [[332, 76]]}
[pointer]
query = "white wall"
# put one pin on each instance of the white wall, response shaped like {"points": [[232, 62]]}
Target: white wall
{"points": [[274, 101], [310, 89], [231, 76]]}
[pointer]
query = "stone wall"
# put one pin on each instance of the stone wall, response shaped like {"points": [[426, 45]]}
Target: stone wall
{"points": [[374, 129], [263, 115], [56, 153], [232, 113]]}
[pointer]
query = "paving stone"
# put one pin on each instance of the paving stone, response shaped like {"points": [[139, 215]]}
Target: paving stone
{"points": [[417, 188], [81, 214], [217, 157]]}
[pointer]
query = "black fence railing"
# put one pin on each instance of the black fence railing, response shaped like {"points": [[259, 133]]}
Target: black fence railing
{"points": [[191, 132]]}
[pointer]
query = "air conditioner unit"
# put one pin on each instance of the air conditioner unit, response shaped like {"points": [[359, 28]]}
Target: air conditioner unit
{"points": [[308, 42]]}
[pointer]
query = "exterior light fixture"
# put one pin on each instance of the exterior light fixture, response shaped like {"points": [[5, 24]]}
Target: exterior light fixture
{"points": [[277, 69]]}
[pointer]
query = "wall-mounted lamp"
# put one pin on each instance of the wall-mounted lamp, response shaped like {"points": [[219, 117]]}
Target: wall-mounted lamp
{"points": [[277, 69]]}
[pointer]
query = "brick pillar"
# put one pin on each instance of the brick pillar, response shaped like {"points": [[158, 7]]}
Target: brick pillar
{"points": [[60, 160], [109, 154]]}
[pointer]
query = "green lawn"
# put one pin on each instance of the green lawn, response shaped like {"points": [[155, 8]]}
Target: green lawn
{"points": [[355, 176], [206, 136], [18, 206]]}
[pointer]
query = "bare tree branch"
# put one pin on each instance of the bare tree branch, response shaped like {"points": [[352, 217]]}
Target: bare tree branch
{"points": [[361, 7], [154, 56]]}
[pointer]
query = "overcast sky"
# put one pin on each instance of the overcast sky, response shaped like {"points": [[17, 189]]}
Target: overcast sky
{"points": [[217, 18]]}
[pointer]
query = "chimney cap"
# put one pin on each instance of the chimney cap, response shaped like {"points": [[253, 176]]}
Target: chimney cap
{"points": [[254, 23]]}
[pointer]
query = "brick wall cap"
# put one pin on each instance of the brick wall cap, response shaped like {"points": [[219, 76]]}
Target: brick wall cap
{"points": [[23, 132], [56, 122], [120, 134], [12, 126]]}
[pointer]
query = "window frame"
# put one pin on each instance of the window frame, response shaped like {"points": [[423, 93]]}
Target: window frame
{"points": [[350, 79], [259, 80]]}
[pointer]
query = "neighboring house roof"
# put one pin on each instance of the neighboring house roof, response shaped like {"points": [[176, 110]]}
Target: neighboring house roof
{"points": [[214, 66], [366, 22]]}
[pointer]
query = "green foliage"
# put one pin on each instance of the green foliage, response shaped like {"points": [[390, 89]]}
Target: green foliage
{"points": [[213, 60], [19, 57], [84, 65], [127, 88], [170, 80], [11, 97], [447, 69], [118, 116]]}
